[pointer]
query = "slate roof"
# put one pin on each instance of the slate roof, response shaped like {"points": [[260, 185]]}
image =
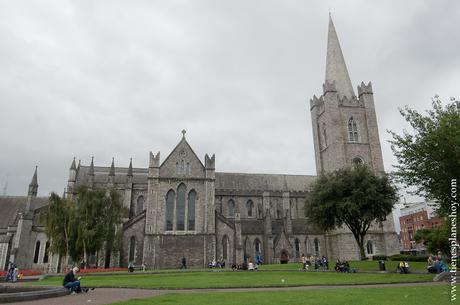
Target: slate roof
{"points": [[252, 226], [263, 182], [101, 174], [10, 206]]}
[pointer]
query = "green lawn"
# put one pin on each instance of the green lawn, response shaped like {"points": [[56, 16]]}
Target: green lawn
{"points": [[359, 265], [238, 279], [438, 295]]}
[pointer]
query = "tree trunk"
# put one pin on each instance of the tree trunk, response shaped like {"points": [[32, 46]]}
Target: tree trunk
{"points": [[84, 254], [362, 254]]}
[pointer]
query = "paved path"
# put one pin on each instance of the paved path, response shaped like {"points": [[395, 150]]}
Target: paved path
{"points": [[102, 296]]}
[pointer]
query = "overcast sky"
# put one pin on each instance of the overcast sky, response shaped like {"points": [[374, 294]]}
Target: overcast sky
{"points": [[120, 78]]}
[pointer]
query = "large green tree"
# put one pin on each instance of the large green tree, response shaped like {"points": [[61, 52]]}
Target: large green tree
{"points": [[58, 224], [87, 225], [355, 197], [436, 239], [429, 155]]}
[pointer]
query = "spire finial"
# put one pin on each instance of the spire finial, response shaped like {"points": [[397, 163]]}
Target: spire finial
{"points": [[183, 133], [336, 69], [91, 167], [130, 168], [72, 166], [33, 186], [34, 178]]}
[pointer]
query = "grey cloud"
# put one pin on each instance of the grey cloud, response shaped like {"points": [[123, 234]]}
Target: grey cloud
{"points": [[117, 78]]}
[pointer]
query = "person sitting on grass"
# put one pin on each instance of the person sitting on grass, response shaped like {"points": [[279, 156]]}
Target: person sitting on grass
{"points": [[250, 266], [72, 283]]}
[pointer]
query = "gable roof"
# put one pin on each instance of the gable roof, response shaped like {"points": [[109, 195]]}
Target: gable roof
{"points": [[11, 206], [183, 141]]}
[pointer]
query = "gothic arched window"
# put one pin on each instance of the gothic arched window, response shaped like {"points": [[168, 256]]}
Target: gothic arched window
{"points": [[132, 249], [297, 247], [37, 251], [357, 161], [231, 208], [249, 207], [170, 210], [257, 249], [316, 242], [140, 205], [191, 210], [352, 130], [46, 254], [225, 247], [324, 135], [370, 247], [180, 208]]}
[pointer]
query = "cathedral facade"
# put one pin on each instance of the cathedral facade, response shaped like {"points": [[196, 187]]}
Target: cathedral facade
{"points": [[182, 206]]}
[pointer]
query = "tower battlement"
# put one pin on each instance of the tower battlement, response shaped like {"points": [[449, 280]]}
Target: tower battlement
{"points": [[365, 89], [316, 102], [329, 87]]}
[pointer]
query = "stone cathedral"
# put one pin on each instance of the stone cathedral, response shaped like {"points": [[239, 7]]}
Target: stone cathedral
{"points": [[182, 206]]}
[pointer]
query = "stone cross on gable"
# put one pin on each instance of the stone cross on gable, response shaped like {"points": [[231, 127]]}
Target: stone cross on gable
{"points": [[183, 133]]}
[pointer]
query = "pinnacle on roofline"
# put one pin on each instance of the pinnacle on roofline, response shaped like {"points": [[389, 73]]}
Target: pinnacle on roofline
{"points": [[130, 168], [91, 167], [112, 168], [34, 181]]}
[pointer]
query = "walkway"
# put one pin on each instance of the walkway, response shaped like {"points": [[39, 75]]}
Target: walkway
{"points": [[110, 295]]}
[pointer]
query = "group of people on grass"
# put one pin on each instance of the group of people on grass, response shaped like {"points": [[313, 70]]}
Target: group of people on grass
{"points": [[216, 264], [343, 266], [436, 264], [309, 260]]}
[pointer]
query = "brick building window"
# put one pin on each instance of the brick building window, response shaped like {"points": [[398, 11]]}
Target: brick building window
{"points": [[352, 130]]}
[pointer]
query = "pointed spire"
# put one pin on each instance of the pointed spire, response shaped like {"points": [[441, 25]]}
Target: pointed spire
{"points": [[336, 69], [33, 186], [73, 166], [91, 167], [34, 177], [130, 168], [112, 168]]}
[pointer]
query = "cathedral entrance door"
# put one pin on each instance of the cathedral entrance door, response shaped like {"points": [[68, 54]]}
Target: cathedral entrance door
{"points": [[284, 258]]}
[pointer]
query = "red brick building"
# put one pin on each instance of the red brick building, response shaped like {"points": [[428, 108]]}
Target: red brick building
{"points": [[414, 217]]}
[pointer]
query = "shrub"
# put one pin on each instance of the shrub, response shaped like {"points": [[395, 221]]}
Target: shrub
{"points": [[96, 270], [379, 258], [409, 258]]}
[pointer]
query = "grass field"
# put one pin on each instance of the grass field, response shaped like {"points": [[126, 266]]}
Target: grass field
{"points": [[438, 295], [238, 279], [359, 265]]}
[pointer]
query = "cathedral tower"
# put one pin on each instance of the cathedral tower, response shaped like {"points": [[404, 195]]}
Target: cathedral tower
{"points": [[344, 125], [345, 132]]}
